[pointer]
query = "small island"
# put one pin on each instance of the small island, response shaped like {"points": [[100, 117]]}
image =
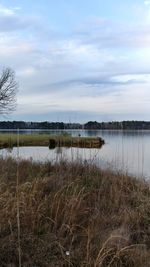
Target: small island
{"points": [[52, 141]]}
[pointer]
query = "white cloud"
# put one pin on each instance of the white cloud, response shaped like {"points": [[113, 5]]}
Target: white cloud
{"points": [[147, 3], [6, 11], [143, 78], [17, 8], [27, 72]]}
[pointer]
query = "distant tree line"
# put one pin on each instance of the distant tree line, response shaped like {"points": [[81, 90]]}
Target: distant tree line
{"points": [[91, 125], [38, 125], [116, 125]]}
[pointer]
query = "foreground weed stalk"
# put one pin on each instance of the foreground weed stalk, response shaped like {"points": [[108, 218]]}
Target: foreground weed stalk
{"points": [[18, 203]]}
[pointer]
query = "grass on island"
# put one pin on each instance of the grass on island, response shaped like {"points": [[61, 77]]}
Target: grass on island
{"points": [[11, 140], [72, 215]]}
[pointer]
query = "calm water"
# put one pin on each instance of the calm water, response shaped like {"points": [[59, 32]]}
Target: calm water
{"points": [[124, 150]]}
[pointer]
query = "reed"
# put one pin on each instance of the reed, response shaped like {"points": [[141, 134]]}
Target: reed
{"points": [[73, 214]]}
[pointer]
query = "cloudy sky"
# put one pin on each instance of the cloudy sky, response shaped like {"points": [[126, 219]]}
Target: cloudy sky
{"points": [[78, 60]]}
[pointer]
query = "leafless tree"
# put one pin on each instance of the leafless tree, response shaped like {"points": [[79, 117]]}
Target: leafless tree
{"points": [[8, 90]]}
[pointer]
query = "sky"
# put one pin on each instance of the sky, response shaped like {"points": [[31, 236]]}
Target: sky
{"points": [[78, 60]]}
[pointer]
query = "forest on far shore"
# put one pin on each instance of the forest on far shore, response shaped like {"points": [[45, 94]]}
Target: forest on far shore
{"points": [[91, 125]]}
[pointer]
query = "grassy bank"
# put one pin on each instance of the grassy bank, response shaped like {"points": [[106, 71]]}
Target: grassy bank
{"points": [[72, 215], [10, 140]]}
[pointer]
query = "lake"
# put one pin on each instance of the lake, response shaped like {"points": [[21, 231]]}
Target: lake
{"points": [[128, 151]]}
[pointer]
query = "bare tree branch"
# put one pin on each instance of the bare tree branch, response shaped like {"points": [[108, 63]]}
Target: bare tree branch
{"points": [[8, 90]]}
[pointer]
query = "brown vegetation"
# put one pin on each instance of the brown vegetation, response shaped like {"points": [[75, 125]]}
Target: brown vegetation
{"points": [[73, 215]]}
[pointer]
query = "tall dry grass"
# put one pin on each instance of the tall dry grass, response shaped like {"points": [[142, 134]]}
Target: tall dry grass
{"points": [[73, 214]]}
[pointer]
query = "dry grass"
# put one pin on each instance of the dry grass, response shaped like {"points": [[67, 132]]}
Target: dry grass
{"points": [[73, 214]]}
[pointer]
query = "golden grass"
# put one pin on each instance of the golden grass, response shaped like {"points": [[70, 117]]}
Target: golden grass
{"points": [[73, 214]]}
